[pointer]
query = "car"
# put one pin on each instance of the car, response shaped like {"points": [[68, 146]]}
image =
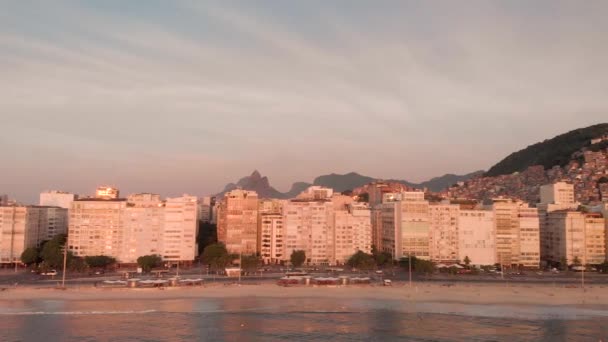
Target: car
{"points": [[379, 271], [49, 273], [387, 282]]}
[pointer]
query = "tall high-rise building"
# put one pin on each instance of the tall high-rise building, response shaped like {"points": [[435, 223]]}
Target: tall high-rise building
{"points": [[553, 197], [56, 198], [96, 227], [517, 230], [272, 236], [443, 232], [477, 237], [237, 225], [406, 226], [180, 229], [3, 200], [205, 208], [22, 227], [129, 228], [352, 230], [143, 223], [576, 235], [308, 227]]}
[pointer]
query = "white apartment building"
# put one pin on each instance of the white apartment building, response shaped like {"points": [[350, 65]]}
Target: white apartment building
{"points": [[443, 232], [56, 198], [515, 246], [96, 227], [308, 227], [352, 231], [529, 237], [272, 244], [143, 224], [22, 227], [406, 226], [557, 193], [576, 235], [553, 197], [477, 237], [180, 229], [129, 228], [237, 225]]}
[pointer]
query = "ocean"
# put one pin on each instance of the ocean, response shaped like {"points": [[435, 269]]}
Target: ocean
{"points": [[298, 319]]}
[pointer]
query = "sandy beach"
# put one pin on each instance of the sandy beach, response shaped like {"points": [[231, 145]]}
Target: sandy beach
{"points": [[486, 294]]}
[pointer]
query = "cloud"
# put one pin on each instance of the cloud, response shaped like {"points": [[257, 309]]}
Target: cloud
{"points": [[394, 89]]}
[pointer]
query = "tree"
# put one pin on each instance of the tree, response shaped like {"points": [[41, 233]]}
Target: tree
{"points": [[216, 256], [101, 261], [603, 267], [250, 263], [418, 265], [298, 257], [76, 264], [563, 264], [30, 256], [148, 262], [576, 261], [381, 258], [52, 251], [467, 260], [364, 197], [361, 260]]}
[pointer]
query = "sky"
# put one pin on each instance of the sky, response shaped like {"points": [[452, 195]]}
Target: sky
{"points": [[178, 97]]}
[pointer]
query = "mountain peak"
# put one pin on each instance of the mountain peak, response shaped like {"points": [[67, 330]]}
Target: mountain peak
{"points": [[256, 174]]}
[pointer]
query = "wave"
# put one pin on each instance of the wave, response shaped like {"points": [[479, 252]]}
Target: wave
{"points": [[39, 313]]}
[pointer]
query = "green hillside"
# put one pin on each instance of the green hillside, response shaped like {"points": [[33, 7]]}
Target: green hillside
{"points": [[556, 151]]}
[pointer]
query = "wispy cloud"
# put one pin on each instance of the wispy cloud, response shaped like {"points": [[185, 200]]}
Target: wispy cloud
{"points": [[391, 89]]}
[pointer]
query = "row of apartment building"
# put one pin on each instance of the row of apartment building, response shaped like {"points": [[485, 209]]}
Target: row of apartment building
{"points": [[331, 227], [123, 228]]}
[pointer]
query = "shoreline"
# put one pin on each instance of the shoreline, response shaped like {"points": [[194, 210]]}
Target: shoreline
{"points": [[482, 294]]}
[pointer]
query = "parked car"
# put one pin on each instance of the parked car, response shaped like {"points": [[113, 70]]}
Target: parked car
{"points": [[387, 282], [49, 273]]}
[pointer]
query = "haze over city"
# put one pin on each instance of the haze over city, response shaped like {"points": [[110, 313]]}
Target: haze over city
{"points": [[186, 97]]}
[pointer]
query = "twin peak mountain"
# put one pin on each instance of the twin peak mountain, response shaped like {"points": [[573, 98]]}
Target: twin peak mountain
{"points": [[256, 182]]}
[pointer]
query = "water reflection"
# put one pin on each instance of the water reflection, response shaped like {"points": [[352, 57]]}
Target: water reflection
{"points": [[246, 319]]}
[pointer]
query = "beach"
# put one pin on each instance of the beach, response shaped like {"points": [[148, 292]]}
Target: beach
{"points": [[482, 294]]}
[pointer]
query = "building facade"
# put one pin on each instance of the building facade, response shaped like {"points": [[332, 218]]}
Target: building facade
{"points": [[237, 225], [477, 237]]}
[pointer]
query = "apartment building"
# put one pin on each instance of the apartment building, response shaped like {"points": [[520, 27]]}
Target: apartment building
{"points": [[55, 198], [22, 227], [553, 197], [272, 234], [180, 229], [406, 226], [142, 224], [515, 246], [352, 230], [237, 225], [96, 227], [308, 227], [443, 232], [477, 237], [576, 235]]}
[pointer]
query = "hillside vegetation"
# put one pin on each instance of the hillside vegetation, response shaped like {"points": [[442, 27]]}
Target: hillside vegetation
{"points": [[551, 152]]}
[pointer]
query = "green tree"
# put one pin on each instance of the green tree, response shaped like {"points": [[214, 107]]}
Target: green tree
{"points": [[30, 256], [100, 261], [364, 197], [297, 258], [576, 261], [250, 263], [76, 264], [361, 260], [418, 265], [563, 264], [603, 267], [148, 262], [216, 256], [52, 251], [467, 260], [381, 258]]}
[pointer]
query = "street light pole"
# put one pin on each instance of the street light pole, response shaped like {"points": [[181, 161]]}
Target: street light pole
{"points": [[240, 264], [409, 263], [65, 262]]}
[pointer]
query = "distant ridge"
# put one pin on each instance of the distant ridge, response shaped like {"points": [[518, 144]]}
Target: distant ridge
{"points": [[549, 153], [261, 185]]}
